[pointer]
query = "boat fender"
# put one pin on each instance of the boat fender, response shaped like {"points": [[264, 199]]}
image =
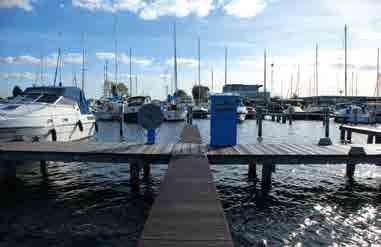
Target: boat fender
{"points": [[80, 126], [53, 132], [96, 126]]}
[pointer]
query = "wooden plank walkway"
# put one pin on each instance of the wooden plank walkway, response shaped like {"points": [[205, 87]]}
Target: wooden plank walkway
{"points": [[283, 153], [187, 211], [374, 134]]}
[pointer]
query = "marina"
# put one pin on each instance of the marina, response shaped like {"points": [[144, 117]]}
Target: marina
{"points": [[188, 123]]}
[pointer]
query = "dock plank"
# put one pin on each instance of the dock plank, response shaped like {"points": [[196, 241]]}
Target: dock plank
{"points": [[187, 211]]}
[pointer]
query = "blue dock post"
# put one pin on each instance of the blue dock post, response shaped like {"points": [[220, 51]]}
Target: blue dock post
{"points": [[151, 135]]}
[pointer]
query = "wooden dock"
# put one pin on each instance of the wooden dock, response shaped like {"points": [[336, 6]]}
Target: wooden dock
{"points": [[187, 211], [374, 134]]}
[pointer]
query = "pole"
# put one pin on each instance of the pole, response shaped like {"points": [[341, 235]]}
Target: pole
{"points": [[136, 85], [317, 72], [264, 76], [226, 65], [212, 80], [346, 60], [378, 72], [116, 51], [272, 77], [199, 73], [175, 57], [130, 72]]}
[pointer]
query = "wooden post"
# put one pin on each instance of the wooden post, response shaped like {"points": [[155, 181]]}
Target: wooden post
{"points": [[7, 172], [266, 177], [260, 125], [284, 119], [272, 118], [134, 173], [278, 118], [342, 134], [350, 171], [252, 175], [43, 170], [349, 136], [121, 122], [290, 119], [326, 118], [146, 170], [370, 139]]}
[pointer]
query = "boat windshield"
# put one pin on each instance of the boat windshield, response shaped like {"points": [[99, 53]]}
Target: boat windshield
{"points": [[136, 101], [28, 98], [47, 98]]}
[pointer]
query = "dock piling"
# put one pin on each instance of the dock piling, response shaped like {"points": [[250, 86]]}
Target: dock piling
{"points": [[349, 136], [260, 125], [290, 119], [284, 119], [350, 171], [252, 174], [342, 134], [43, 169], [267, 170]]}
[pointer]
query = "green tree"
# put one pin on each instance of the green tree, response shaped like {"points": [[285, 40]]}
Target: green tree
{"points": [[114, 90], [200, 93], [16, 91], [122, 89], [180, 93]]}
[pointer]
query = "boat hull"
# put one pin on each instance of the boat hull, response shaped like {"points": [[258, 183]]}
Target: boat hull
{"points": [[175, 115]]}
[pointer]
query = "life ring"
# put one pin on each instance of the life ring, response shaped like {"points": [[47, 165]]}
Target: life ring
{"points": [[80, 125], [53, 132]]}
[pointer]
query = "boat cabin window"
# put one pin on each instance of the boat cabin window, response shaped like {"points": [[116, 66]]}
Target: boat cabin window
{"points": [[65, 101], [136, 101], [28, 98], [47, 98]]}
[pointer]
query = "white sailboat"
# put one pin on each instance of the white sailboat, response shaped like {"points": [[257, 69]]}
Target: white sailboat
{"points": [[175, 111]]}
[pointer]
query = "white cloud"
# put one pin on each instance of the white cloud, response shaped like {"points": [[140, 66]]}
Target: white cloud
{"points": [[20, 60], [22, 4], [245, 8], [50, 60], [110, 5], [183, 61], [150, 9], [125, 58], [18, 75], [178, 8]]}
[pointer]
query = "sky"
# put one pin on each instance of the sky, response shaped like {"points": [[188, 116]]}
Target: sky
{"points": [[32, 31]]}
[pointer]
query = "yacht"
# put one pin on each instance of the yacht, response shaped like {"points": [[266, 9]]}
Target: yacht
{"points": [[241, 113], [200, 112], [108, 109], [133, 106], [175, 112], [47, 114], [355, 114]]}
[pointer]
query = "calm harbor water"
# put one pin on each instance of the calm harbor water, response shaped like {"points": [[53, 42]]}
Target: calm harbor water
{"points": [[92, 204]]}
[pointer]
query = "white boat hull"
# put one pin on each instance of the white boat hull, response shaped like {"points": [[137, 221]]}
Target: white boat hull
{"points": [[175, 115]]}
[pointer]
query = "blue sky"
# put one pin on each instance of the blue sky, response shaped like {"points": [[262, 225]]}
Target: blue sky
{"points": [[287, 29]]}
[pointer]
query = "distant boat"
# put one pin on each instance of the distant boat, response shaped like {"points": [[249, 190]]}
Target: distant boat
{"points": [[108, 109], [133, 106], [47, 114], [241, 113], [200, 112], [251, 112], [355, 114], [175, 112]]}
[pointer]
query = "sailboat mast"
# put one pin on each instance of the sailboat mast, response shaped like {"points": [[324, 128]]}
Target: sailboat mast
{"points": [[175, 58], [116, 50], [57, 65], [378, 72], [136, 85], [346, 61], [317, 71], [226, 65], [83, 64], [265, 76], [212, 80], [199, 70], [130, 72]]}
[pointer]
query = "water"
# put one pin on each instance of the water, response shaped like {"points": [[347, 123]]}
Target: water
{"points": [[92, 204]]}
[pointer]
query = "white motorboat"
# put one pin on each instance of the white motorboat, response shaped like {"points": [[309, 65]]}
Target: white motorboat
{"points": [[175, 112], [133, 106], [200, 112], [355, 114], [108, 110], [241, 113], [47, 114]]}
